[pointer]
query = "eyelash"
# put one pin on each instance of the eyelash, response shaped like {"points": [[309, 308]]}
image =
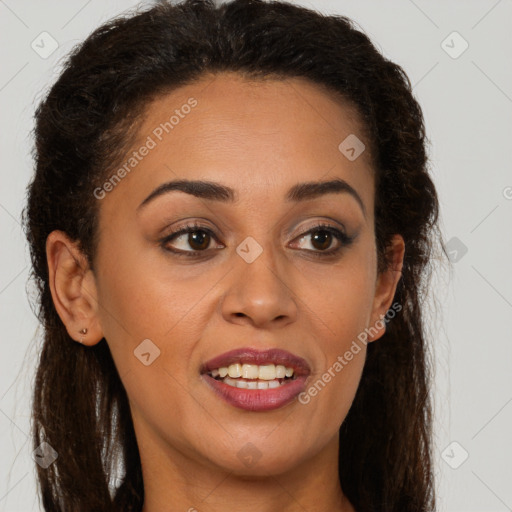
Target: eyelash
{"points": [[342, 237]]}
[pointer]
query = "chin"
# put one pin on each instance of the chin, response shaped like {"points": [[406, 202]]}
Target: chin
{"points": [[251, 463]]}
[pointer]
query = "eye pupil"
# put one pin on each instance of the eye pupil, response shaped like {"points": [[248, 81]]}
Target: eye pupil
{"points": [[325, 236], [198, 237]]}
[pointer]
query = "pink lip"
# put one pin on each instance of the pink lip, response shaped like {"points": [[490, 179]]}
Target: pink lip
{"points": [[259, 357], [258, 399]]}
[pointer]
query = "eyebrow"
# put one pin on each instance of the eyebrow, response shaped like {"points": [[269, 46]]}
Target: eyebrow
{"points": [[217, 192]]}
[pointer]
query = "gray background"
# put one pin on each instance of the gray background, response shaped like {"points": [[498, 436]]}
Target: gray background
{"points": [[467, 102]]}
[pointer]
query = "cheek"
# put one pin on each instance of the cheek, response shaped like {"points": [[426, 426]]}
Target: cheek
{"points": [[332, 388], [146, 291], [341, 300], [140, 305], [342, 303]]}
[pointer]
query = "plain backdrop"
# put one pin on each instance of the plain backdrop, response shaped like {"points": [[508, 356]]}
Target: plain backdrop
{"points": [[458, 58]]}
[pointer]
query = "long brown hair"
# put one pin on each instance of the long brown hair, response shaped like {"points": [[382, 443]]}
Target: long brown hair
{"points": [[83, 127]]}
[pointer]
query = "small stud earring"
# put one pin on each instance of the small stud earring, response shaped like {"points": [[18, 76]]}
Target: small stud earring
{"points": [[82, 331]]}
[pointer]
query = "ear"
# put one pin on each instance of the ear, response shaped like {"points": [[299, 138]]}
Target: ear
{"points": [[385, 287], [73, 288]]}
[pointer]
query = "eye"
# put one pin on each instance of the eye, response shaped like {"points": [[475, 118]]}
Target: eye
{"points": [[322, 237], [195, 236], [193, 239]]}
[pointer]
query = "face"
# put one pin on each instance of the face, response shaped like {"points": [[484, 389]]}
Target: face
{"points": [[266, 265]]}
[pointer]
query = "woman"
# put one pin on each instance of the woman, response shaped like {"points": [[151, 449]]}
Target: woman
{"points": [[230, 223]]}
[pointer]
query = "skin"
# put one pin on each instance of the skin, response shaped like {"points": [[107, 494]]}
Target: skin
{"points": [[260, 139]]}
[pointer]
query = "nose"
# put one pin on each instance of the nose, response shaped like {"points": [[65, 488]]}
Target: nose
{"points": [[260, 293]]}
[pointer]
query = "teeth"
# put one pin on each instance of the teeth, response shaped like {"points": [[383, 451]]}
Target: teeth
{"points": [[252, 384], [240, 383], [250, 371], [281, 371], [235, 370], [266, 372]]}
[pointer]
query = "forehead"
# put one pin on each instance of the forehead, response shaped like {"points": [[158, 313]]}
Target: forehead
{"points": [[258, 137], [230, 108]]}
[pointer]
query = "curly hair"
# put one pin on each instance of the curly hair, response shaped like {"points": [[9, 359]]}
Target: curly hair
{"points": [[83, 127]]}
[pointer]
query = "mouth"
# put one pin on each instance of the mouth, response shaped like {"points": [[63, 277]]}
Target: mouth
{"points": [[256, 380]]}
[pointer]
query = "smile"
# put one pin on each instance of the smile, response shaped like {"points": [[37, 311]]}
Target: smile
{"points": [[256, 380], [252, 376]]}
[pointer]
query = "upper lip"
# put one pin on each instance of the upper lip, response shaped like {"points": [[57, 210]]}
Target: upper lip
{"points": [[260, 357]]}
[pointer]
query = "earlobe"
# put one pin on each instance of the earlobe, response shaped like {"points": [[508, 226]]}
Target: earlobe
{"points": [[73, 288], [385, 288]]}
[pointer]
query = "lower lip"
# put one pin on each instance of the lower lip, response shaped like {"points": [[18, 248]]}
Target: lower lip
{"points": [[258, 399]]}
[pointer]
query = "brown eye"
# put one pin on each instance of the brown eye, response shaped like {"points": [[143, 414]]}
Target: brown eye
{"points": [[322, 241], [198, 240], [189, 240], [195, 239]]}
